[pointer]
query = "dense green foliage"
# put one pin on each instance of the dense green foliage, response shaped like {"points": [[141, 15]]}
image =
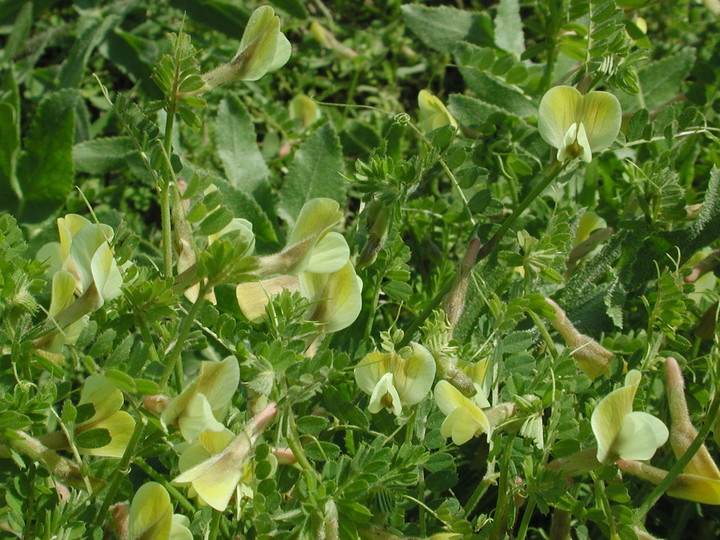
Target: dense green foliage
{"points": [[104, 112]]}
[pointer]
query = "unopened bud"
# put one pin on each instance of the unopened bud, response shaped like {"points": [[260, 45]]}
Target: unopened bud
{"points": [[682, 432], [454, 302], [156, 404], [593, 358]]}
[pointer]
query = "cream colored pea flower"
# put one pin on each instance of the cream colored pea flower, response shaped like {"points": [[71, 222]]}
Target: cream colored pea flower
{"points": [[578, 125], [622, 433], [392, 381]]}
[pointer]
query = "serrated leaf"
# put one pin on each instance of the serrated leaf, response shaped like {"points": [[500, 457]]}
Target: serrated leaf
{"points": [[443, 27], [45, 167], [491, 89], [237, 147], [508, 27], [316, 171], [100, 156], [244, 206], [470, 111]]}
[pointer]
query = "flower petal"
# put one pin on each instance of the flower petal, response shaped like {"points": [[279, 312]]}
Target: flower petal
{"points": [[63, 292], [601, 114], [370, 370], [462, 426], [641, 435], [448, 398], [329, 255], [337, 297], [379, 398], [584, 144], [216, 478], [197, 418], [557, 112], [105, 397], [120, 426], [254, 296], [415, 379], [150, 513], [609, 414], [105, 273], [695, 488]]}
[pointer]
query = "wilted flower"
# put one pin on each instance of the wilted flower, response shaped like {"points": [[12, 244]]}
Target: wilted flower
{"points": [[393, 381], [151, 516], [204, 401], [216, 478], [263, 48], [622, 433], [578, 125], [433, 113]]}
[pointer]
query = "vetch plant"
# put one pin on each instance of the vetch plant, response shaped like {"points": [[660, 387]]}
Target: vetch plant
{"points": [[578, 125]]}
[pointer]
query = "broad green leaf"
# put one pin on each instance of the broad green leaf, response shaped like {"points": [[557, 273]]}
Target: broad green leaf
{"points": [[490, 89], [245, 206], [316, 171], [508, 27], [100, 156], [472, 112], [93, 438], [443, 27], [237, 147], [45, 167]]}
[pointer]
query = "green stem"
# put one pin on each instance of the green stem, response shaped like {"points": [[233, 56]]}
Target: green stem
{"points": [[373, 305], [293, 440], [544, 332], [681, 463], [173, 358], [525, 523], [123, 469], [215, 525], [501, 508], [165, 197], [600, 494]]}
